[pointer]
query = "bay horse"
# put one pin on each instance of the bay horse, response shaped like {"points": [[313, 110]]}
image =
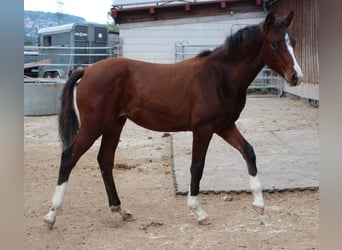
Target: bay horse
{"points": [[204, 94]]}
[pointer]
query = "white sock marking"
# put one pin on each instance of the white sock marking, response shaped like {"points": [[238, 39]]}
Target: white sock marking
{"points": [[58, 197], [295, 63], [195, 207], [256, 189], [57, 202], [193, 201]]}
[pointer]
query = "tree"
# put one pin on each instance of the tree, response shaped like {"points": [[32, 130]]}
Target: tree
{"points": [[112, 27]]}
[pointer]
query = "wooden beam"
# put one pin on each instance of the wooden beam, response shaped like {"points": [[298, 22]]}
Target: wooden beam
{"points": [[174, 11]]}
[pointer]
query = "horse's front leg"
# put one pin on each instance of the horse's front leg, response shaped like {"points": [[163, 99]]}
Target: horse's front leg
{"points": [[201, 139], [233, 136]]}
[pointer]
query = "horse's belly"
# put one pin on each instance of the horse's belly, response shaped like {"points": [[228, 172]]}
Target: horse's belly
{"points": [[160, 120]]}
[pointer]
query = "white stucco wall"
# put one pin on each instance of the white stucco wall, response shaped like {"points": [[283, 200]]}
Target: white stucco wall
{"points": [[155, 41]]}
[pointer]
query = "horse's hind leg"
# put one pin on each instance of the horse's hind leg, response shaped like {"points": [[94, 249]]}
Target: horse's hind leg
{"points": [[201, 139], [234, 137], [82, 142], [105, 158]]}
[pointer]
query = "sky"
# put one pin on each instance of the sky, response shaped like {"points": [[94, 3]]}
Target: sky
{"points": [[92, 11]]}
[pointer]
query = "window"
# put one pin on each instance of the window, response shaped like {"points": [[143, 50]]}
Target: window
{"points": [[47, 41]]}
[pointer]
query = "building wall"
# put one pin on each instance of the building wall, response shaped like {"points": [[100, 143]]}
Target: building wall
{"points": [[305, 30], [155, 41]]}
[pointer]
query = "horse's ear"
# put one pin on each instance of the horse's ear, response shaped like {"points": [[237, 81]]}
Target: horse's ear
{"points": [[289, 18], [269, 19]]}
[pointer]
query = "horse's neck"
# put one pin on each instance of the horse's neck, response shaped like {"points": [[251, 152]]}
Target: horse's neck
{"points": [[247, 64], [251, 70], [240, 64]]}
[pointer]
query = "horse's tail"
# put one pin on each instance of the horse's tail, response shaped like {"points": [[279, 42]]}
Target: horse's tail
{"points": [[68, 124]]}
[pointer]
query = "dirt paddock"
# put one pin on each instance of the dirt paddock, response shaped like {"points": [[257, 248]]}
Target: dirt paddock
{"points": [[143, 175]]}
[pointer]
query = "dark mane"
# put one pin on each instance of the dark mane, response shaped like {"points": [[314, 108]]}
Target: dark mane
{"points": [[204, 53], [249, 33], [239, 38], [235, 41]]}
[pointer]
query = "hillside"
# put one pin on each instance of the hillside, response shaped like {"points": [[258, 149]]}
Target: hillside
{"points": [[35, 20]]}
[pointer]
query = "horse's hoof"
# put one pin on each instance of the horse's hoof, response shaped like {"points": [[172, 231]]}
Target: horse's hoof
{"points": [[260, 210], [128, 217], [125, 214], [49, 222], [262, 219], [204, 221]]}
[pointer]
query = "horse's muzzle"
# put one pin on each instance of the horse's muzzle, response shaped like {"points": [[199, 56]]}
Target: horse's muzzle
{"points": [[294, 80]]}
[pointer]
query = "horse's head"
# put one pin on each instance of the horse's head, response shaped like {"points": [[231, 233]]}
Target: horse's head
{"points": [[278, 48]]}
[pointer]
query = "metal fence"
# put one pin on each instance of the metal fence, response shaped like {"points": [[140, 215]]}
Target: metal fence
{"points": [[62, 60]]}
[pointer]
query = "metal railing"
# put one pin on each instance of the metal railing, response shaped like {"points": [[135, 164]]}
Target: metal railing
{"points": [[265, 81], [64, 58]]}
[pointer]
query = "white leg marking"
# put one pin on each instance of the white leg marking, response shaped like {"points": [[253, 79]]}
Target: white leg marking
{"points": [[295, 63], [195, 207], [75, 105], [256, 189], [57, 202]]}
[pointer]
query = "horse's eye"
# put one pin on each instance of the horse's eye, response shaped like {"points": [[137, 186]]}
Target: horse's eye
{"points": [[275, 44]]}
